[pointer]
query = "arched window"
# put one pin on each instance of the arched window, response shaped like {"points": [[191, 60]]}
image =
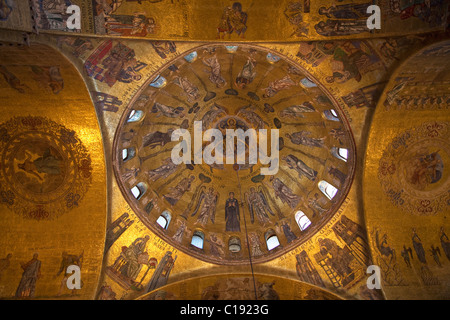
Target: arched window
{"points": [[340, 153], [231, 49], [234, 244], [159, 82], [128, 154], [135, 115], [139, 190], [302, 220], [271, 240], [198, 239], [331, 115], [191, 57], [307, 83], [343, 153], [164, 219], [271, 58], [327, 189]]}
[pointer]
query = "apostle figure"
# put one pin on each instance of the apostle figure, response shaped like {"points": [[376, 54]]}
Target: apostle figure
{"points": [[232, 216], [5, 263], [31, 273], [163, 171], [297, 110], [66, 261], [275, 86], [285, 194], [167, 111], [418, 247], [132, 256], [445, 243], [247, 74], [302, 169], [188, 87], [303, 138], [179, 190], [215, 75]]}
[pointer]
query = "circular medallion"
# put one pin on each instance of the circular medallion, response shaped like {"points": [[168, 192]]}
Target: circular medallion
{"points": [[414, 169], [45, 169], [228, 156]]}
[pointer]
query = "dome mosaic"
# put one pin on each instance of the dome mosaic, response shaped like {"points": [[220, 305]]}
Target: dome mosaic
{"points": [[231, 213]]}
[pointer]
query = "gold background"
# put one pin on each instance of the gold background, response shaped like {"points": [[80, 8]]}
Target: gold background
{"points": [[84, 228]]}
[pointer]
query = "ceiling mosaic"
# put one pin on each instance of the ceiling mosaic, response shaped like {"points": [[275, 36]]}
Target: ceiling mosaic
{"points": [[92, 117], [234, 207]]}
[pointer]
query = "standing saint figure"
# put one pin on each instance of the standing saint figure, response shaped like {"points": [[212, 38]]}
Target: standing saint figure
{"points": [[232, 216], [31, 273]]}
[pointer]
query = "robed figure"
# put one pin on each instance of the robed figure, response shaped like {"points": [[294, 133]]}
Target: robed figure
{"points": [[232, 216], [31, 272], [418, 247]]}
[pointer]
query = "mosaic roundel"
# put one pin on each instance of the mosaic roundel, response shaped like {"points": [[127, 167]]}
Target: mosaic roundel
{"points": [[45, 169], [189, 175], [414, 169]]}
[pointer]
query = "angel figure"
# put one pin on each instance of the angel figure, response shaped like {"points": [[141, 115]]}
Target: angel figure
{"points": [[258, 205], [207, 206]]}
